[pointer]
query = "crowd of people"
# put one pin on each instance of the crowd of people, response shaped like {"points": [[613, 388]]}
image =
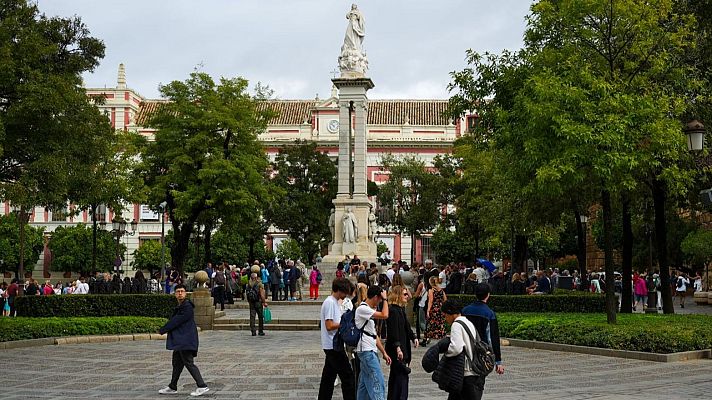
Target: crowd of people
{"points": [[379, 302]]}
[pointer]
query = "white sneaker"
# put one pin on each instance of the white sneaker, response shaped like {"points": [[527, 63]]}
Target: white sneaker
{"points": [[199, 391], [167, 390]]}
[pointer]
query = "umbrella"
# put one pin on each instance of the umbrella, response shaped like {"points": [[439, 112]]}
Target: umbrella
{"points": [[487, 264]]}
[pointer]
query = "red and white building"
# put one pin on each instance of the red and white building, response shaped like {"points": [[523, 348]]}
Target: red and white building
{"points": [[398, 127]]}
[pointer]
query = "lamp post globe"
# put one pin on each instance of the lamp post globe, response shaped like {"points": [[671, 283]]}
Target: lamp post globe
{"points": [[695, 132]]}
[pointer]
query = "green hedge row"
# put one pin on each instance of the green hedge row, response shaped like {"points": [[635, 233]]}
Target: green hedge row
{"points": [[564, 303], [35, 328], [635, 332], [138, 305]]}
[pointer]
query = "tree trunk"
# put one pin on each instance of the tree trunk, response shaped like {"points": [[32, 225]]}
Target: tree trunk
{"points": [[93, 239], [611, 302], [208, 250], [412, 249], [21, 259], [581, 244], [627, 268], [520, 251], [181, 241], [659, 200], [251, 250]]}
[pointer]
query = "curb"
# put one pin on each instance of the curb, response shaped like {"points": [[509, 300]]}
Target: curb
{"points": [[596, 351], [60, 341]]}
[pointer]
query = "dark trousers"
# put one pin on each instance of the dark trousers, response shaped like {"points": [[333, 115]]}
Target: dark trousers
{"points": [[12, 305], [472, 389], [275, 291], [398, 384], [335, 364], [185, 359], [219, 293], [256, 308]]}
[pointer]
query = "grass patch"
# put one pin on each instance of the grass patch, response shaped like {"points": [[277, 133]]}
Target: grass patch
{"points": [[35, 328], [636, 332]]}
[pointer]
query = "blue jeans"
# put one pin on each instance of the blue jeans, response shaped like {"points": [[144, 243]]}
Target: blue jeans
{"points": [[371, 385]]}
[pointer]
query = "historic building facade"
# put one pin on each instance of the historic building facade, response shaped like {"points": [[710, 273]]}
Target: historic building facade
{"points": [[398, 127]]}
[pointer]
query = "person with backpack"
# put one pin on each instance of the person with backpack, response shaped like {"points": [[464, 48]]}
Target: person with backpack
{"points": [[371, 385], [485, 321], [336, 362], [681, 287], [315, 279], [255, 294]]}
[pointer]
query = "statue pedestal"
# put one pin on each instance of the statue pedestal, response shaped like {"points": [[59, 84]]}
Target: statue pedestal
{"points": [[363, 247]]}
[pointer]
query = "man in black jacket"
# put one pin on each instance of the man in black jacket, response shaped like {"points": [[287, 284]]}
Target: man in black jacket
{"points": [[183, 340], [485, 320]]}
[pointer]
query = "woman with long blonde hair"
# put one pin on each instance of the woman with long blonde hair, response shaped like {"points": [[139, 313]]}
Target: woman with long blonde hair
{"points": [[400, 337]]}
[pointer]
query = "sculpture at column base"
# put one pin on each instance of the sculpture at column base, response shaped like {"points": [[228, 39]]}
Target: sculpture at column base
{"points": [[363, 246]]}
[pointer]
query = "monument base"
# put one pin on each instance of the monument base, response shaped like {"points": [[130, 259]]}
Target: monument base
{"points": [[364, 248]]}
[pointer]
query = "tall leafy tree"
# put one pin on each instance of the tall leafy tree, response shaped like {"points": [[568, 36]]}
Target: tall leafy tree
{"points": [[110, 181], [148, 257], [413, 193], [205, 156], [71, 248], [597, 105], [48, 126], [306, 179], [10, 244]]}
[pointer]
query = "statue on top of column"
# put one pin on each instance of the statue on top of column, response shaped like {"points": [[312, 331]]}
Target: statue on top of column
{"points": [[353, 61]]}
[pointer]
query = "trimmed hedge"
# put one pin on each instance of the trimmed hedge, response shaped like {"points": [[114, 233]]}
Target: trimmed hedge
{"points": [[138, 305], [564, 303], [636, 332], [35, 328]]}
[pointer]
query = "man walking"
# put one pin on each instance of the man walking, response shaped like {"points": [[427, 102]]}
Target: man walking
{"points": [[183, 340], [485, 321], [371, 385], [219, 289], [336, 362]]}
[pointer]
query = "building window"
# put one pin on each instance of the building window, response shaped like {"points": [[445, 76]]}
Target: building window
{"points": [[471, 123], [147, 214], [425, 249], [59, 215], [100, 213]]}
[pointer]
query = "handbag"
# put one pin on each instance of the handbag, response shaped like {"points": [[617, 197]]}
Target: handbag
{"points": [[483, 360], [267, 315]]}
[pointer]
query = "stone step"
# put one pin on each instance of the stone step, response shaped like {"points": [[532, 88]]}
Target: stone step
{"points": [[277, 321], [219, 314], [268, 327], [243, 305]]}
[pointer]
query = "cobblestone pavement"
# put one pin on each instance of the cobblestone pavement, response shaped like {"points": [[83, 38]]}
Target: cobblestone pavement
{"points": [[288, 365]]}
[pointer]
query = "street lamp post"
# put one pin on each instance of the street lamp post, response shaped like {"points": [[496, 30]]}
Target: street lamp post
{"points": [[162, 207], [695, 132], [584, 276], [118, 230]]}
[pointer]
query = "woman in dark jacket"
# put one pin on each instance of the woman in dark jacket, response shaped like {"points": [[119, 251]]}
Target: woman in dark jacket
{"points": [[400, 334], [518, 285]]}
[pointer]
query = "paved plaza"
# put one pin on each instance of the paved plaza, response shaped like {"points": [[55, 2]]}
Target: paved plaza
{"points": [[288, 365]]}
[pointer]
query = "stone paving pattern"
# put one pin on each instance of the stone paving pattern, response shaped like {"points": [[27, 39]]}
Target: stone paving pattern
{"points": [[288, 365]]}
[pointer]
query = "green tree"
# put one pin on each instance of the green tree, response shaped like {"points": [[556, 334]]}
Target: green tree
{"points": [[148, 257], [289, 249], [232, 245], [48, 125], [451, 246], [110, 181], [205, 157], [413, 193], [10, 244], [593, 100], [306, 179], [71, 248]]}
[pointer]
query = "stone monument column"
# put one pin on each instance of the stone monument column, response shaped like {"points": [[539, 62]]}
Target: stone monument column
{"points": [[351, 206]]}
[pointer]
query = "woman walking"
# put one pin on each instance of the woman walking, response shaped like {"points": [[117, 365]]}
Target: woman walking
{"points": [[314, 281], [434, 316], [400, 336]]}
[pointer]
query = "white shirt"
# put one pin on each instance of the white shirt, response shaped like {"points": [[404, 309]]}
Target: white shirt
{"points": [[330, 310], [460, 339], [698, 285], [685, 282], [390, 274], [82, 288], [443, 279], [364, 312]]}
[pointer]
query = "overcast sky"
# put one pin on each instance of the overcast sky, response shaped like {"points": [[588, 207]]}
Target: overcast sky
{"points": [[293, 45]]}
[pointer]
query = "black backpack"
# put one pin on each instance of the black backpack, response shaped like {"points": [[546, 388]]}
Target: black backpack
{"points": [[253, 294], [348, 333], [483, 361], [297, 272]]}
